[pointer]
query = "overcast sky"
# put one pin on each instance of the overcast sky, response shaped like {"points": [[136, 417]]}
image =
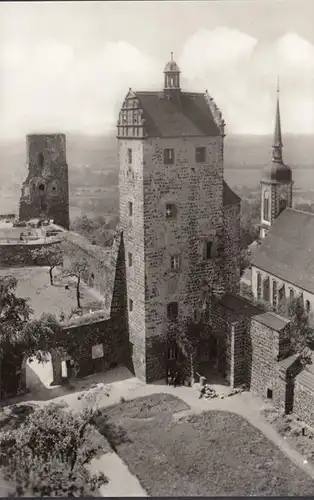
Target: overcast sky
{"points": [[67, 66]]}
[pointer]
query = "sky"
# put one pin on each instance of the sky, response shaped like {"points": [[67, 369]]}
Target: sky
{"points": [[66, 66]]}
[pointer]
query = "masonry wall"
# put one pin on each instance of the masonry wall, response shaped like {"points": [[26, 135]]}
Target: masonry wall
{"points": [[303, 405], [231, 216], [263, 350], [131, 190], [196, 190], [18, 255]]}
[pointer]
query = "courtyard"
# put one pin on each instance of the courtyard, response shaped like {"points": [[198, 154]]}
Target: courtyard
{"points": [[34, 284], [211, 453], [165, 441]]}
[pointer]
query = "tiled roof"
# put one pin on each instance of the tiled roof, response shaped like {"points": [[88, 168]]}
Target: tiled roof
{"points": [[239, 305], [272, 320], [287, 362], [229, 197], [189, 115], [288, 250]]}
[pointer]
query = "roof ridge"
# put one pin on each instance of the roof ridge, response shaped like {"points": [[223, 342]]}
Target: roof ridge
{"points": [[291, 209]]}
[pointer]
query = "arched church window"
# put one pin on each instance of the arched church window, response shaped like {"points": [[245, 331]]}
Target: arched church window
{"points": [[307, 306], [259, 285], [266, 290], [266, 206], [41, 187], [275, 296]]}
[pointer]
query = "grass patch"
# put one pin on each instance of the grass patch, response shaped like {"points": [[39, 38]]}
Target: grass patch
{"points": [[215, 453]]}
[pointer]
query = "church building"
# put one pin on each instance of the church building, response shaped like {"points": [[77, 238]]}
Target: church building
{"points": [[283, 266]]}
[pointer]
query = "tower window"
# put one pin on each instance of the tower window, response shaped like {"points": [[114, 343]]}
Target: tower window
{"points": [[266, 216], [40, 160], [129, 156], [168, 156], [208, 250], [171, 211], [41, 187], [130, 305], [200, 154], [172, 311], [175, 262], [130, 208], [130, 259]]}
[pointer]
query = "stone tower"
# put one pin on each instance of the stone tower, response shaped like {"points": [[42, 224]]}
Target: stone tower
{"points": [[45, 191], [172, 214], [276, 181]]}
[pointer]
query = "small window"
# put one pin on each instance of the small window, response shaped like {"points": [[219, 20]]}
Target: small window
{"points": [[130, 208], [171, 211], [92, 276], [269, 394], [41, 187], [175, 262], [172, 311], [168, 156], [208, 250], [200, 154], [129, 156], [291, 294], [307, 306], [130, 259], [130, 305]]}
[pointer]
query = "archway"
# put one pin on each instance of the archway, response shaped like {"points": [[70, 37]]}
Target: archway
{"points": [[38, 375]]}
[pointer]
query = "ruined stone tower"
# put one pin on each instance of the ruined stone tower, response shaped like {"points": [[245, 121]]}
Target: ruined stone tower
{"points": [[276, 182], [45, 191], [172, 200]]}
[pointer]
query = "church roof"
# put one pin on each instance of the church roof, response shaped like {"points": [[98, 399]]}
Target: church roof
{"points": [[277, 171], [189, 115], [288, 249], [229, 196]]}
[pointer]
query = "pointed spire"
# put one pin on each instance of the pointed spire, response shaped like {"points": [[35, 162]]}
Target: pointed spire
{"points": [[171, 55], [277, 144]]}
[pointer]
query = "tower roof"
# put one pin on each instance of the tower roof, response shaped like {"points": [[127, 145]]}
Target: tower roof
{"points": [[277, 170], [171, 66]]}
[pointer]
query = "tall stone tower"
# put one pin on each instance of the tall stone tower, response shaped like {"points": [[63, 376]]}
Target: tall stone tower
{"points": [[45, 191], [276, 182], [171, 212]]}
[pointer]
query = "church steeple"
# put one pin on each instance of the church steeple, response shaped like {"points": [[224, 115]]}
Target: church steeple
{"points": [[277, 144]]}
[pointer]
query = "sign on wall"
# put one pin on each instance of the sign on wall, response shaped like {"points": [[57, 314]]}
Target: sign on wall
{"points": [[97, 351]]}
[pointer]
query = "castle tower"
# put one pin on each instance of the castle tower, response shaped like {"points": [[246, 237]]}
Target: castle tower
{"points": [[276, 181], [171, 212], [45, 191]]}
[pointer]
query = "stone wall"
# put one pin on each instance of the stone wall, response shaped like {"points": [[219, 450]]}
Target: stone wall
{"points": [[18, 255], [263, 352], [232, 247], [303, 405]]}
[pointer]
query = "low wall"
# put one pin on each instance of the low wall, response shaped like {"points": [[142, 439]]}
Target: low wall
{"points": [[21, 254]]}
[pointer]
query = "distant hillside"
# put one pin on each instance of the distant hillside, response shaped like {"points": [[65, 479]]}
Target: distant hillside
{"points": [[91, 156]]}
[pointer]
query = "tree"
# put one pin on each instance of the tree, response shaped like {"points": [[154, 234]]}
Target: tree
{"points": [[99, 230], [14, 313], [52, 254], [302, 335], [75, 266], [48, 454]]}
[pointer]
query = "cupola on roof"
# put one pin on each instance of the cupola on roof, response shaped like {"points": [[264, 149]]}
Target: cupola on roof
{"points": [[171, 66]]}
